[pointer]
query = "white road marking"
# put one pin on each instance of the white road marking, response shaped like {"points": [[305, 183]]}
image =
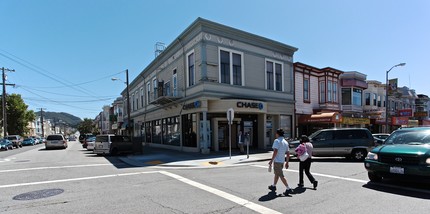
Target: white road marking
{"points": [[250, 205], [323, 175], [53, 167], [357, 180], [74, 179]]}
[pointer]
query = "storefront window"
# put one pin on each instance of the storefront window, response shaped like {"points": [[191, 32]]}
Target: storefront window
{"points": [[156, 131], [171, 132], [286, 125], [189, 131], [148, 132]]}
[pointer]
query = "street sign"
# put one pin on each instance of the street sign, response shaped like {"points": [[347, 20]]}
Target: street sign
{"points": [[230, 115]]}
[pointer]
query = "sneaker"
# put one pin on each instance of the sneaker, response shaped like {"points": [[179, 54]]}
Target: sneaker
{"points": [[315, 184], [300, 185], [273, 188], [288, 191]]}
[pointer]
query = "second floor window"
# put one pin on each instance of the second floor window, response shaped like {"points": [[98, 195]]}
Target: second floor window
{"points": [[322, 91], [306, 90], [175, 83], [230, 67], [148, 92], [166, 89], [191, 69], [142, 94], [367, 99], [274, 73], [155, 85]]}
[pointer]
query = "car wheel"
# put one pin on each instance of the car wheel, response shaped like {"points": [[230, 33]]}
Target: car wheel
{"points": [[374, 177], [358, 154]]}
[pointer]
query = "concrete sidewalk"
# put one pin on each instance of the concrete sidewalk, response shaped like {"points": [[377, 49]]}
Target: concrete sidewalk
{"points": [[153, 156]]}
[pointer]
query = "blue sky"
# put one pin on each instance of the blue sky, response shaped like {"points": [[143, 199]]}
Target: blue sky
{"points": [[66, 52]]}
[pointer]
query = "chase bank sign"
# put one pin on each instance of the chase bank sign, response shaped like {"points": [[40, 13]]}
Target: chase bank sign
{"points": [[256, 105]]}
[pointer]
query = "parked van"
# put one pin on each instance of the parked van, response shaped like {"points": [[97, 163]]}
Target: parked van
{"points": [[354, 143], [112, 144], [16, 140]]}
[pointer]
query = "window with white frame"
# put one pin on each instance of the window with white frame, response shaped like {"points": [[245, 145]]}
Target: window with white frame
{"points": [[367, 99], [132, 102], [191, 80], [137, 99], [166, 89], [322, 91], [274, 75], [175, 83], [142, 94], [306, 89], [230, 69], [148, 93], [375, 99], [154, 86]]}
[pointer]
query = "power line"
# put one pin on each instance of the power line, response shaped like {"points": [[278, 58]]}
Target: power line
{"points": [[69, 95]]}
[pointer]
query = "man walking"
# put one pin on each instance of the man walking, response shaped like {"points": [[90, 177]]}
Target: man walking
{"points": [[280, 149]]}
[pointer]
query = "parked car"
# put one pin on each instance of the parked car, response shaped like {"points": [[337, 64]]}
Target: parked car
{"points": [[16, 140], [112, 144], [354, 143], [82, 137], [56, 141], [380, 138], [90, 142], [405, 154], [28, 142], [6, 144]]}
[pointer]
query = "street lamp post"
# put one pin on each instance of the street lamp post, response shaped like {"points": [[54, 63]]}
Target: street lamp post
{"points": [[128, 102], [387, 104]]}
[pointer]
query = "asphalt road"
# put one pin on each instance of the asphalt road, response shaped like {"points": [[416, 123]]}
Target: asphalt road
{"points": [[35, 180]]}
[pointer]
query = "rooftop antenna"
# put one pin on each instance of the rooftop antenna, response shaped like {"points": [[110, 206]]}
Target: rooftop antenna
{"points": [[159, 48]]}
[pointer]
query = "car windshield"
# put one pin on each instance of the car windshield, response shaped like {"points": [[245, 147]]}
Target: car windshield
{"points": [[409, 137]]}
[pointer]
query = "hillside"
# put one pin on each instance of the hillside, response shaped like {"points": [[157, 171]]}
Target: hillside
{"points": [[69, 119]]}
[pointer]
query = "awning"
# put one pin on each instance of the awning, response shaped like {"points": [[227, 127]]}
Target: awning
{"points": [[326, 117]]}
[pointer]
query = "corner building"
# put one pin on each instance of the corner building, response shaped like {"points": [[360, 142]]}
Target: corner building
{"points": [[180, 100]]}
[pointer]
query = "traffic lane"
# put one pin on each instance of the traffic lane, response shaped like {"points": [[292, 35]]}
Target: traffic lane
{"points": [[147, 192], [5, 154], [334, 194], [40, 157]]}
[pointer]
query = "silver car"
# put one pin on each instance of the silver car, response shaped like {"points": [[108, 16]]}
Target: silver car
{"points": [[56, 141]]}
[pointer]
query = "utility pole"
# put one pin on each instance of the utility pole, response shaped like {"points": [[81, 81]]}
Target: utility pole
{"points": [[41, 121], [4, 100]]}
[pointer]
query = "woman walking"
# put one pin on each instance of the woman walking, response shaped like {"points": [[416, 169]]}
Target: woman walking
{"points": [[305, 149]]}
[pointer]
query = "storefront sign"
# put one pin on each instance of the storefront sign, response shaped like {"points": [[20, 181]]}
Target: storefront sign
{"points": [[398, 121], [405, 113], [249, 105], [421, 114], [195, 104], [353, 121]]}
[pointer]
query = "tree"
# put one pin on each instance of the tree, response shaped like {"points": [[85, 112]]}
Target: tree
{"points": [[86, 126], [18, 115]]}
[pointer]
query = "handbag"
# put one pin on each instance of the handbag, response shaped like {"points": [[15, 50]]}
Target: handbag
{"points": [[304, 156]]}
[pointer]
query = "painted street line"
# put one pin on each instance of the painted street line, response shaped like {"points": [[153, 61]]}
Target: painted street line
{"points": [[53, 167], [74, 179], [248, 204], [357, 180], [323, 175]]}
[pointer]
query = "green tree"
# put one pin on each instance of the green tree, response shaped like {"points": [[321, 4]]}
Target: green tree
{"points": [[86, 126], [18, 115]]}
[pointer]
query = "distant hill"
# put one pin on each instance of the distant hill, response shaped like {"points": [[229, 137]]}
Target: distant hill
{"points": [[69, 119]]}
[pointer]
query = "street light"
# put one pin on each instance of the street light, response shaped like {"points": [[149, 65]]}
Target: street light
{"points": [[128, 102], [387, 104]]}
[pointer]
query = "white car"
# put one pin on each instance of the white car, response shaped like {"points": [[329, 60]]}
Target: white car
{"points": [[56, 141], [91, 143]]}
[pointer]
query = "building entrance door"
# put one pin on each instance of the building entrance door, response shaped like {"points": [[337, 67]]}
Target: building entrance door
{"points": [[223, 135]]}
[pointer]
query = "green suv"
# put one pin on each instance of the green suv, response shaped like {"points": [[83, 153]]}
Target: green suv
{"points": [[405, 154]]}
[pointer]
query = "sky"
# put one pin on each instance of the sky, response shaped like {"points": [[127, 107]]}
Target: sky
{"points": [[65, 53]]}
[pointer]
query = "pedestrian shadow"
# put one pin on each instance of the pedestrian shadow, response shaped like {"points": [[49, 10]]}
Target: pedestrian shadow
{"points": [[271, 195]]}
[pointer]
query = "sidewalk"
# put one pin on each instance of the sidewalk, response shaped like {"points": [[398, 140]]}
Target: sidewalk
{"points": [[153, 156]]}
